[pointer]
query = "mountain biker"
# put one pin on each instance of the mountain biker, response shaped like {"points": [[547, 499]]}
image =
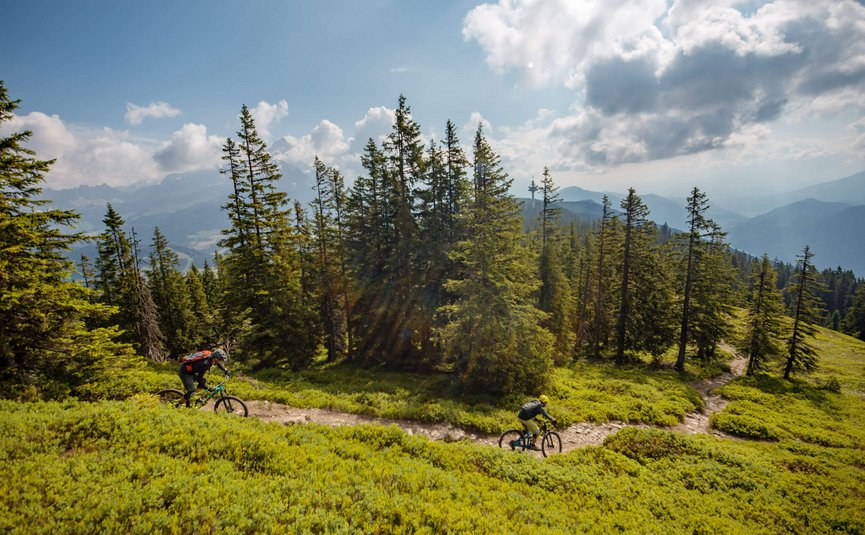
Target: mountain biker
{"points": [[195, 365], [528, 412]]}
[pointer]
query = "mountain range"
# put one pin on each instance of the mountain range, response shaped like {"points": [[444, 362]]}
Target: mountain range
{"points": [[830, 217]]}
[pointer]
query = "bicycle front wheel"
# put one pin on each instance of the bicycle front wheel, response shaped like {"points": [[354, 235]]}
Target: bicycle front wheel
{"points": [[551, 444], [171, 396], [231, 405], [510, 439]]}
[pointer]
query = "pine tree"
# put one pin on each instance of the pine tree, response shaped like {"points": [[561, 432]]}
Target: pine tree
{"points": [[635, 215], [203, 324], [493, 335], [802, 356], [170, 296], [601, 317], [697, 204], [405, 167], [441, 205], [765, 327], [854, 320], [582, 285], [328, 262], [121, 284], [370, 242], [555, 295], [712, 294], [47, 348], [260, 275]]}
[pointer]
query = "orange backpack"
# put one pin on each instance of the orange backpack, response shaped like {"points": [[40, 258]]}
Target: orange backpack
{"points": [[191, 358]]}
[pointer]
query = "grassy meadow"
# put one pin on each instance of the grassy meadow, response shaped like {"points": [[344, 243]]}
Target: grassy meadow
{"points": [[132, 466]]}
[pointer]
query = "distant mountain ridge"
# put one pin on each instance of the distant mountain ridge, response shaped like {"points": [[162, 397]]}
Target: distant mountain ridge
{"points": [[850, 190], [187, 209]]}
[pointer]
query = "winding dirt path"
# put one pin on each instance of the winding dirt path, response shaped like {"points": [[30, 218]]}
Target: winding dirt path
{"points": [[575, 436]]}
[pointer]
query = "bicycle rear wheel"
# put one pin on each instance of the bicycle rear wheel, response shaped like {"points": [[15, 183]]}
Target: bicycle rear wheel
{"points": [[171, 396], [510, 439], [231, 405], [551, 444]]}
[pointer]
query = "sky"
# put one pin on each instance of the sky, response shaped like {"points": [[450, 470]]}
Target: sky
{"points": [[735, 97]]}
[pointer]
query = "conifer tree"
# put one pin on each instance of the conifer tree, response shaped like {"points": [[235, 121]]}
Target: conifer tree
{"points": [[370, 240], [854, 320], [765, 327], [555, 295], [121, 284], [441, 204], [600, 320], [328, 260], [697, 204], [405, 168], [801, 355], [170, 296], [493, 335], [582, 278], [47, 346], [203, 321], [260, 273], [303, 231], [636, 223], [712, 294]]}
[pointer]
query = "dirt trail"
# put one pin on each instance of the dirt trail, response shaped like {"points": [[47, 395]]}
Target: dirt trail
{"points": [[575, 436]]}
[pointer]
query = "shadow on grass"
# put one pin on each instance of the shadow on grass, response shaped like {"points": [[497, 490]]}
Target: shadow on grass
{"points": [[778, 386]]}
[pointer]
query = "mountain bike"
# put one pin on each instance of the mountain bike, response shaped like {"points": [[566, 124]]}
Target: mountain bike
{"points": [[515, 439], [224, 402]]}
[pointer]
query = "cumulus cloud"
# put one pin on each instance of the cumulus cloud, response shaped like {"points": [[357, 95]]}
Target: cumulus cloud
{"points": [[654, 81], [325, 141], [88, 156], [375, 124], [135, 114], [266, 114], [190, 149]]}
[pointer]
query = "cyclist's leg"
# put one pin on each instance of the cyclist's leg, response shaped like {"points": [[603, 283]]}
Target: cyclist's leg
{"points": [[532, 429], [188, 386]]}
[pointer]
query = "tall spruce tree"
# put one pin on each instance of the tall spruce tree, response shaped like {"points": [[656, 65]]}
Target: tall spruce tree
{"points": [[122, 285], [203, 323], [765, 325], [170, 295], [801, 355], [636, 223], [711, 294], [854, 321], [601, 316], [555, 295], [697, 204], [493, 335], [405, 168], [329, 261], [370, 242], [47, 348], [260, 273]]}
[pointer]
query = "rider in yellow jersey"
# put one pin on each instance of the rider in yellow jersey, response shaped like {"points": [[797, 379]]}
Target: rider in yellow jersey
{"points": [[527, 413]]}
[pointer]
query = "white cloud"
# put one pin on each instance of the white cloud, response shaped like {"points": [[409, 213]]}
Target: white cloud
{"points": [[654, 81], [325, 141], [135, 114], [190, 149], [87, 156], [266, 114], [375, 124]]}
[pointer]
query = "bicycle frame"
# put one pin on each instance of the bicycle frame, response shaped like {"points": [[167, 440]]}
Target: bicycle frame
{"points": [[218, 390], [524, 442]]}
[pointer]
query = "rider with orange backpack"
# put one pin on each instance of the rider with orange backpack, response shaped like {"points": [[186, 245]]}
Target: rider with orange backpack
{"points": [[195, 365]]}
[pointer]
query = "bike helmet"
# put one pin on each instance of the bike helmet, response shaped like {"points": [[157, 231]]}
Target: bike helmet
{"points": [[219, 354], [543, 399]]}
